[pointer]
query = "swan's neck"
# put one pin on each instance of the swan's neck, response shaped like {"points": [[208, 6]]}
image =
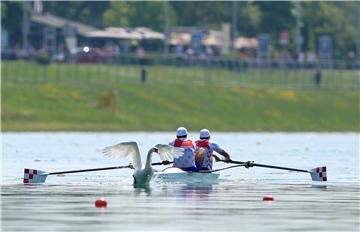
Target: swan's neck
{"points": [[148, 158]]}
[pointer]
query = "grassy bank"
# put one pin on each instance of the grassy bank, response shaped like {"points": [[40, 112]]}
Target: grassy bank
{"points": [[133, 106], [104, 97]]}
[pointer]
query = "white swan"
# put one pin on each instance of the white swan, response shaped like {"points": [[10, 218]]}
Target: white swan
{"points": [[142, 175]]}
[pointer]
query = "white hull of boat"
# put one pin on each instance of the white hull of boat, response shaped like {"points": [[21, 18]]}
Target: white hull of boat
{"points": [[178, 175]]}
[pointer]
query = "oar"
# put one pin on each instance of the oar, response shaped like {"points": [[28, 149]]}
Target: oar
{"points": [[317, 174], [33, 176], [221, 169]]}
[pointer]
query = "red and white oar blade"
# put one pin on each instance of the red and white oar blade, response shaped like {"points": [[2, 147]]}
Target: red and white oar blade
{"points": [[33, 176], [318, 174]]}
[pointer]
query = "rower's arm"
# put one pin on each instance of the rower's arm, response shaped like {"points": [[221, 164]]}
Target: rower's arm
{"points": [[216, 158], [226, 156]]}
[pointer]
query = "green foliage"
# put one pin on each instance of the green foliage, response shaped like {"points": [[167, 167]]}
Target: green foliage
{"points": [[89, 12], [136, 14], [205, 14], [11, 18], [276, 17], [249, 18], [337, 19], [117, 14], [3, 10], [213, 13]]}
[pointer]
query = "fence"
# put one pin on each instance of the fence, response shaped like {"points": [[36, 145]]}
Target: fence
{"points": [[335, 75]]}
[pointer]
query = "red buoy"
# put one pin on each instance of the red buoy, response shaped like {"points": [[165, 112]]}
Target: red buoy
{"points": [[101, 203], [268, 198]]}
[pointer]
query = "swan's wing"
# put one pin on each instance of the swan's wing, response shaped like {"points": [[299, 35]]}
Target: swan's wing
{"points": [[122, 150], [168, 152]]}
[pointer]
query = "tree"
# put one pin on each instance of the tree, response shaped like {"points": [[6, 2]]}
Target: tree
{"points": [[211, 15], [11, 19], [202, 14], [88, 12], [335, 19], [249, 18], [137, 14], [276, 17]]}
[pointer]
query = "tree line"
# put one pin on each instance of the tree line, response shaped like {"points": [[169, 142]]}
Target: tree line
{"points": [[339, 20]]}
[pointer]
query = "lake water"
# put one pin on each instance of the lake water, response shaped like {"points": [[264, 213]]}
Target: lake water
{"points": [[66, 203]]}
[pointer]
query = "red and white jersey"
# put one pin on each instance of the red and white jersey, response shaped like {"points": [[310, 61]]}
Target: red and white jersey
{"points": [[210, 147], [188, 159]]}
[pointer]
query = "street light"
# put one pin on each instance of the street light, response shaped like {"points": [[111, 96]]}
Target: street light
{"points": [[166, 28]]}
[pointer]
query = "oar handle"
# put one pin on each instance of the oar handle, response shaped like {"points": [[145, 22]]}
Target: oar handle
{"points": [[163, 163], [268, 166]]}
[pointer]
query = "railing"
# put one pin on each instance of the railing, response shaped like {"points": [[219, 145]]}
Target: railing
{"points": [[335, 75]]}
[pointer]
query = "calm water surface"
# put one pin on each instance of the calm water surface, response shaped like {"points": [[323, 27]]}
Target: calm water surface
{"points": [[66, 203]]}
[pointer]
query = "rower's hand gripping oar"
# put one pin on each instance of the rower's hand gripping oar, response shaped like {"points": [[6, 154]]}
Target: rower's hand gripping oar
{"points": [[317, 174], [33, 176]]}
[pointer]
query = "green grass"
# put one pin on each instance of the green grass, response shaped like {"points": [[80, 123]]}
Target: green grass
{"points": [[69, 103]]}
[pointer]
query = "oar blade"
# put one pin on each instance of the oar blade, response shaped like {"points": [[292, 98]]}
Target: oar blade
{"points": [[318, 174], [33, 176]]}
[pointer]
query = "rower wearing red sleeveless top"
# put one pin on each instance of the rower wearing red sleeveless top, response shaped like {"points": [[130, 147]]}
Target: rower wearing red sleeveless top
{"points": [[187, 161], [204, 151]]}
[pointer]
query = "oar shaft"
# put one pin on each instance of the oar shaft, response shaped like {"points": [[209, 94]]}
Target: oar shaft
{"points": [[271, 166], [101, 169], [283, 168], [89, 170]]}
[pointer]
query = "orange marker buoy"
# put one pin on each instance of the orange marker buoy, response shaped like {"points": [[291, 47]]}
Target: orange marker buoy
{"points": [[101, 203], [268, 198]]}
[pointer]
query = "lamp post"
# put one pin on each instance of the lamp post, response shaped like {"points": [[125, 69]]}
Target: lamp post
{"points": [[25, 28], [358, 35], [234, 24], [298, 25], [166, 28]]}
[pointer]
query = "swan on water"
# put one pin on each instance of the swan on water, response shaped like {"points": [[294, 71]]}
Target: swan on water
{"points": [[143, 173]]}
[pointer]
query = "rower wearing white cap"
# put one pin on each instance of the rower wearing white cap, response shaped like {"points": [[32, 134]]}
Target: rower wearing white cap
{"points": [[187, 161], [205, 148]]}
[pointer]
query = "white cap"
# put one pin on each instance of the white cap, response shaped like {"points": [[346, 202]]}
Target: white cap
{"points": [[204, 134], [181, 131]]}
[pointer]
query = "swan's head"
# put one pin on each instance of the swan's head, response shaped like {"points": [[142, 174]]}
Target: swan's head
{"points": [[154, 149]]}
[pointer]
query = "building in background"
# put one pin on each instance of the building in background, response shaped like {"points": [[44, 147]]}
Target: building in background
{"points": [[55, 34]]}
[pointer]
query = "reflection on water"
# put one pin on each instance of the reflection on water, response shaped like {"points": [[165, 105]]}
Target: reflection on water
{"points": [[234, 203], [143, 189]]}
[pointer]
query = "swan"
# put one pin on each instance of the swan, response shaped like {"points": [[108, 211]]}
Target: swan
{"points": [[142, 174]]}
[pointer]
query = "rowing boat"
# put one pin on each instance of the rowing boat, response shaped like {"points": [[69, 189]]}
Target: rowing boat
{"points": [[173, 174]]}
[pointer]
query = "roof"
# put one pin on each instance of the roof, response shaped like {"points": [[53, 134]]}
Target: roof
{"points": [[243, 42], [213, 38], [57, 22], [137, 33], [177, 38], [147, 33], [115, 33]]}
